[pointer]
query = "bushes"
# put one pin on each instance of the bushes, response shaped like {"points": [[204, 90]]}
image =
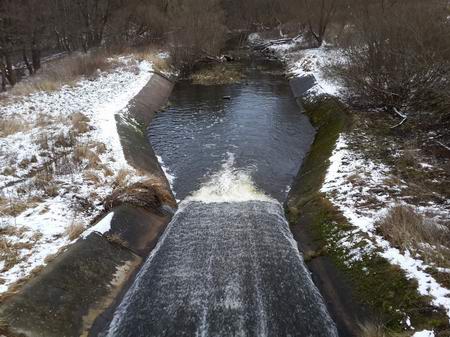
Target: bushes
{"points": [[397, 54], [198, 29]]}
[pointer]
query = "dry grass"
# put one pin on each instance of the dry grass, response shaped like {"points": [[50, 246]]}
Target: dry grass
{"points": [[408, 230], [121, 179], [217, 75], [80, 122], [9, 250], [149, 194], [13, 207], [151, 55], [82, 152], [45, 182], [74, 231], [65, 71], [8, 254], [92, 177], [370, 329], [10, 126]]}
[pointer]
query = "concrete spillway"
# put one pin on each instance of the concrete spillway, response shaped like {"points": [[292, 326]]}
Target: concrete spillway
{"points": [[224, 268]]}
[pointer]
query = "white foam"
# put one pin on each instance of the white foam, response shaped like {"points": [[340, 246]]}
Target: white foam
{"points": [[229, 185]]}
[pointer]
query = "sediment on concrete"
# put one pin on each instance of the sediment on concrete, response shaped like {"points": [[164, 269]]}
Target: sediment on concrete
{"points": [[80, 287]]}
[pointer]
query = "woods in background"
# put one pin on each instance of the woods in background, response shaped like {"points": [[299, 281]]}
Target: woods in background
{"points": [[397, 51]]}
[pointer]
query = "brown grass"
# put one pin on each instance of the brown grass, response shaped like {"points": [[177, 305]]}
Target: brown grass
{"points": [[10, 252], [121, 179], [74, 231], [10, 126], [92, 177], [151, 55], [45, 182], [217, 75], [407, 229], [82, 152], [149, 194], [80, 122], [13, 207], [65, 71]]}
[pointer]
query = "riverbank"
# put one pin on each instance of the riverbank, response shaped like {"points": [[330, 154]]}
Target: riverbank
{"points": [[61, 158], [131, 197], [331, 205]]}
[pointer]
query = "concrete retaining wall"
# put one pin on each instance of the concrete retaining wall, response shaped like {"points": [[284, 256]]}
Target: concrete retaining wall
{"points": [[82, 285]]}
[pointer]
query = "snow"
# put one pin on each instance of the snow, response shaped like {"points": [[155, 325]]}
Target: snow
{"points": [[348, 198], [302, 61], [103, 226], [41, 229], [170, 177], [424, 333]]}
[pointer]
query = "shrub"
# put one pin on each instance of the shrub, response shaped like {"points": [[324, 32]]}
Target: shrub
{"points": [[192, 39], [397, 55]]}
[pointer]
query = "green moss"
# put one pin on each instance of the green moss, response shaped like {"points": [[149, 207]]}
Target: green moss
{"points": [[379, 285]]}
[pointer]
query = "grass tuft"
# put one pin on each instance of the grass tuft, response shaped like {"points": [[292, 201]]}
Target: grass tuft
{"points": [[10, 126], [74, 231]]}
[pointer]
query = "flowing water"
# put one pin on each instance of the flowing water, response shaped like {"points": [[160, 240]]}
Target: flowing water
{"points": [[227, 264], [260, 125]]}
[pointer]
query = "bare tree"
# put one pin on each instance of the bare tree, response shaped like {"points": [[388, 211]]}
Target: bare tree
{"points": [[318, 14], [398, 55]]}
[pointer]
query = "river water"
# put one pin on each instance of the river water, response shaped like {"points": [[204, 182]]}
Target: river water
{"points": [[261, 126], [227, 264]]}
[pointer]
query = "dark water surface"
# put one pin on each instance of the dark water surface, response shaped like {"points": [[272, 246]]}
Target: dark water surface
{"points": [[261, 125]]}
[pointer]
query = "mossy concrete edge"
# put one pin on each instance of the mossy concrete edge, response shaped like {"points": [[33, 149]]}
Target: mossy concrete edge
{"points": [[371, 290]]}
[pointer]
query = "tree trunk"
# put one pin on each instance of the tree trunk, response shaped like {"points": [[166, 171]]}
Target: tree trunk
{"points": [[36, 58], [3, 74], [27, 63], [10, 71]]}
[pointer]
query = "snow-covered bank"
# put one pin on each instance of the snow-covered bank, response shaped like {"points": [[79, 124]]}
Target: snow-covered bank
{"points": [[364, 188], [350, 181], [303, 61], [60, 164]]}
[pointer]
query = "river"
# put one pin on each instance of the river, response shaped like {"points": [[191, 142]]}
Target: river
{"points": [[227, 264]]}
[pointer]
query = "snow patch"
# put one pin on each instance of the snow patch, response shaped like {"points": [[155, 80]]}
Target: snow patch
{"points": [[103, 226]]}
